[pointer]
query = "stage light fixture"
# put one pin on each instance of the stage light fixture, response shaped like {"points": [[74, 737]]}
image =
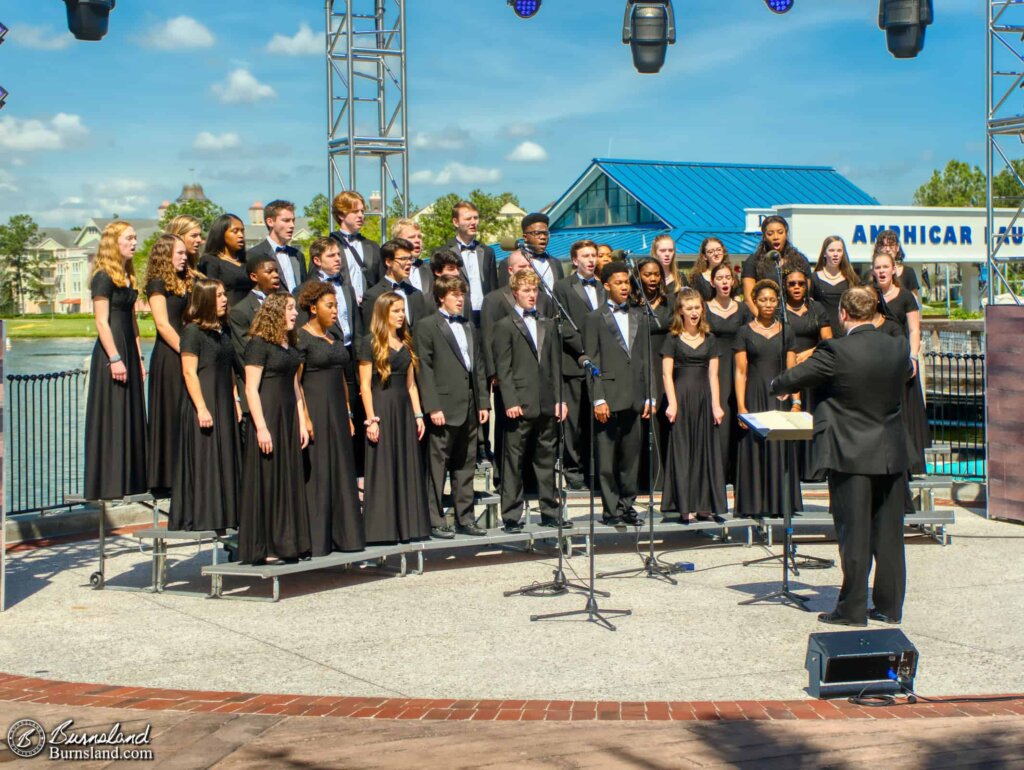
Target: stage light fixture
{"points": [[3, 31], [89, 19], [779, 6], [905, 22], [648, 29], [525, 9]]}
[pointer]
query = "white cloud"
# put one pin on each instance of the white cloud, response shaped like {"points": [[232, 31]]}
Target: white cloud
{"points": [[519, 130], [305, 42], [450, 139], [7, 182], [528, 152], [41, 38], [207, 142], [178, 33], [241, 86], [125, 196], [458, 174], [31, 135]]}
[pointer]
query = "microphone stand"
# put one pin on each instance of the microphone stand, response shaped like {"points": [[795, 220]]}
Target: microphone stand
{"points": [[652, 568], [559, 584]]}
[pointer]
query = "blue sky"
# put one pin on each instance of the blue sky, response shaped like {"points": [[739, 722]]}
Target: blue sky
{"points": [[93, 129]]}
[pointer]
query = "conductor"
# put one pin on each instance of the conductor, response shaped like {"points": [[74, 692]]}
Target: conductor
{"points": [[859, 439]]}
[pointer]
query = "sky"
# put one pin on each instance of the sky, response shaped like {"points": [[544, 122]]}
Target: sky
{"points": [[232, 94]]}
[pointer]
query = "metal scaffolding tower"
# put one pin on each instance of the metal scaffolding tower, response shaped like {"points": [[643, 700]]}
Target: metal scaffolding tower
{"points": [[367, 117], [1004, 123]]}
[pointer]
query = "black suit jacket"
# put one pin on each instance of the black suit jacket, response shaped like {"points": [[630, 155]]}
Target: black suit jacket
{"points": [[556, 266], [240, 319], [355, 315], [418, 306], [528, 374], [295, 256], [373, 268], [624, 382], [498, 304], [858, 426], [426, 279], [487, 264], [570, 292], [445, 380]]}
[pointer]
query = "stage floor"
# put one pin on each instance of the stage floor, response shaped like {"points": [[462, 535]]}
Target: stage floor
{"points": [[450, 633]]}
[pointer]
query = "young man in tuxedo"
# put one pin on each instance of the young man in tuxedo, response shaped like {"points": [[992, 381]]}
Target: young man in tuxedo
{"points": [[536, 234], [262, 270], [580, 294], [479, 264], [397, 258], [859, 439], [419, 272], [453, 392], [360, 262], [615, 338], [279, 217], [528, 363]]}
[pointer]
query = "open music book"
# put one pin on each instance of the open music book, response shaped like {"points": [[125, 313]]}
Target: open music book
{"points": [[780, 426]]}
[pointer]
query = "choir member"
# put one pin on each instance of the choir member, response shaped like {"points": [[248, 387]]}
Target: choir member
{"points": [[833, 275], [190, 230], [332, 497], [726, 315], [615, 338], [479, 265], [663, 249], [760, 265], [264, 279], [536, 235], [224, 257], [115, 412], [758, 361], [360, 262], [711, 254], [694, 477], [888, 241], [168, 284], [652, 284], [419, 273], [453, 389], [604, 256], [581, 293], [279, 217], [396, 507], [397, 259], [528, 362], [273, 517], [206, 477]]}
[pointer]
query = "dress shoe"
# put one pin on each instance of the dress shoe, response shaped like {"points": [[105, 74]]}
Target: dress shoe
{"points": [[471, 529], [576, 485], [444, 533], [553, 522], [835, 619], [882, 618], [633, 519], [613, 521], [512, 527]]}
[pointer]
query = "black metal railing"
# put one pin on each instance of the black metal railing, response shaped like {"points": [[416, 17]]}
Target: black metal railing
{"points": [[955, 398], [45, 435]]}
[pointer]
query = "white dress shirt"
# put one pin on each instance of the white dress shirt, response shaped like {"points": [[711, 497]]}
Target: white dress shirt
{"points": [[284, 263], [590, 291], [355, 272], [397, 288], [459, 330], [415, 276], [472, 266], [531, 325], [543, 266], [622, 321], [343, 319]]}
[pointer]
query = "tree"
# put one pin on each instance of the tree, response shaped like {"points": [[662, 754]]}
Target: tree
{"points": [[25, 273], [371, 227], [437, 221], [1006, 190], [206, 211], [959, 184]]}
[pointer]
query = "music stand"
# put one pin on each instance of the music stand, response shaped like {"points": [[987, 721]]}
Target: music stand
{"points": [[785, 427]]}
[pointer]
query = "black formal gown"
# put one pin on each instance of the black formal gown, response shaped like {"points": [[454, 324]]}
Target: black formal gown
{"points": [[235, 278], [694, 478], [729, 432], [165, 390], [115, 412], [803, 332], [828, 295], [394, 488], [332, 497], [206, 477], [703, 285], [660, 423], [760, 464], [272, 515], [915, 417]]}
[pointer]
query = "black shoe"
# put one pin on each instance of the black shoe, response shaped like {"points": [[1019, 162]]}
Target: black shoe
{"points": [[881, 618], [835, 619], [444, 533], [576, 485], [613, 521], [633, 519], [512, 527], [471, 529], [546, 521]]}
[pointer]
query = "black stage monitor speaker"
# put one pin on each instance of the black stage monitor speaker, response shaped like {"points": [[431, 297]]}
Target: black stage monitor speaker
{"points": [[872, 662]]}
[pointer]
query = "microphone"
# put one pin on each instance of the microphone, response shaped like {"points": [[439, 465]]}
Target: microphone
{"points": [[775, 256], [589, 366], [509, 243]]}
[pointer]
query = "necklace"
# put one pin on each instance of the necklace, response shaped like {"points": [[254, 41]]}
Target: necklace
{"points": [[687, 336], [767, 328], [309, 330]]}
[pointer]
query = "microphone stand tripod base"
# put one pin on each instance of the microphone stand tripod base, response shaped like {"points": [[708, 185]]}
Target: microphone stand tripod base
{"points": [[651, 567], [592, 611], [785, 596]]}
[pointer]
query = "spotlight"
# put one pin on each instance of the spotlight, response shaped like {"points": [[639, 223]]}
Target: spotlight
{"points": [[648, 28], [3, 31], [779, 6], [3, 97], [905, 22], [89, 19], [525, 9]]}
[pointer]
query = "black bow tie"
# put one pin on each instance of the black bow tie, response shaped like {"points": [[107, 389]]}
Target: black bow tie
{"points": [[418, 263], [471, 246], [335, 279], [402, 287], [349, 236], [455, 319], [589, 282], [529, 314], [285, 249], [623, 308]]}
